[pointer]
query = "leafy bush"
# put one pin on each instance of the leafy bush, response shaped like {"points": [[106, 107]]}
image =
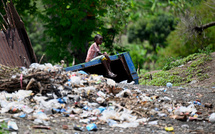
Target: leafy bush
{"points": [[206, 50]]}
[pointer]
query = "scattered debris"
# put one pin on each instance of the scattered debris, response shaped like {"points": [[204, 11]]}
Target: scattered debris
{"points": [[93, 100]]}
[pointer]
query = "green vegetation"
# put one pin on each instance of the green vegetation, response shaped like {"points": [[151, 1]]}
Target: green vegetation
{"points": [[161, 78], [157, 33], [66, 28], [185, 37], [191, 67], [3, 128]]}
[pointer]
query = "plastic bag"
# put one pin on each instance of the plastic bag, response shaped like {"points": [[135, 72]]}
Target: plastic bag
{"points": [[27, 109], [12, 125], [123, 93], [111, 82], [111, 123], [127, 117], [40, 115], [126, 125], [75, 80], [109, 114], [212, 117], [21, 94]]}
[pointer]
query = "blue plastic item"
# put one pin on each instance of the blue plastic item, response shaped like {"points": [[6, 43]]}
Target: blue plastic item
{"points": [[196, 102], [22, 116], [62, 100], [91, 127], [86, 108], [63, 110], [101, 109], [82, 72], [156, 109]]}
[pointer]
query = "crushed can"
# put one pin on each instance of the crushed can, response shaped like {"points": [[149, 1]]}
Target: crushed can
{"points": [[78, 127]]}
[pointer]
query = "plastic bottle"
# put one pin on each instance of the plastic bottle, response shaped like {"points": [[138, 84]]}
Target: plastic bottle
{"points": [[196, 102], [14, 110], [169, 85]]}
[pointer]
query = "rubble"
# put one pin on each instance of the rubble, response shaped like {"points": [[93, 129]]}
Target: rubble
{"points": [[45, 92]]}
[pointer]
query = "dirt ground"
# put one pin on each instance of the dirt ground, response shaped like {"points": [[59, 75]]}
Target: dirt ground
{"points": [[183, 95], [210, 70], [199, 90]]}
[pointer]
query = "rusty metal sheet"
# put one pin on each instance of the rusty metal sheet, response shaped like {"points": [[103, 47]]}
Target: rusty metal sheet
{"points": [[15, 46]]}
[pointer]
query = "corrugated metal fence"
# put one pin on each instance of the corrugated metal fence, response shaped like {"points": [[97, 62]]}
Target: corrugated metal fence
{"points": [[15, 46]]}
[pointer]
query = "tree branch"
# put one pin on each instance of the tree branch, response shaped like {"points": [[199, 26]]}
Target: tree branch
{"points": [[203, 27]]}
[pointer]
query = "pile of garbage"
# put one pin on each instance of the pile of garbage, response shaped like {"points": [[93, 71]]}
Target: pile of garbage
{"points": [[43, 91]]}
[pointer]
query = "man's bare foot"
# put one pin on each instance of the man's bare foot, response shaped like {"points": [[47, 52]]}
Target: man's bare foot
{"points": [[112, 75]]}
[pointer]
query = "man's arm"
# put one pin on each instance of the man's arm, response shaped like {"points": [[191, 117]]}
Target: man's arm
{"points": [[105, 54], [99, 53]]}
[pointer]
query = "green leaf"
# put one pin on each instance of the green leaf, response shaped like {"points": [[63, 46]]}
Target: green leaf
{"points": [[68, 6], [64, 21]]}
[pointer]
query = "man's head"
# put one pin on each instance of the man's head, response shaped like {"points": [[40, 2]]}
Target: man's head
{"points": [[98, 39]]}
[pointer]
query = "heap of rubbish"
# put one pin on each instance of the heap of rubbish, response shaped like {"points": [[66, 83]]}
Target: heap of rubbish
{"points": [[42, 91]]}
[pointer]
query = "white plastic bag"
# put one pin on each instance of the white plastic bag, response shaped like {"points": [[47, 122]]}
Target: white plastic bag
{"points": [[212, 117], [126, 125], [75, 80], [111, 82]]}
